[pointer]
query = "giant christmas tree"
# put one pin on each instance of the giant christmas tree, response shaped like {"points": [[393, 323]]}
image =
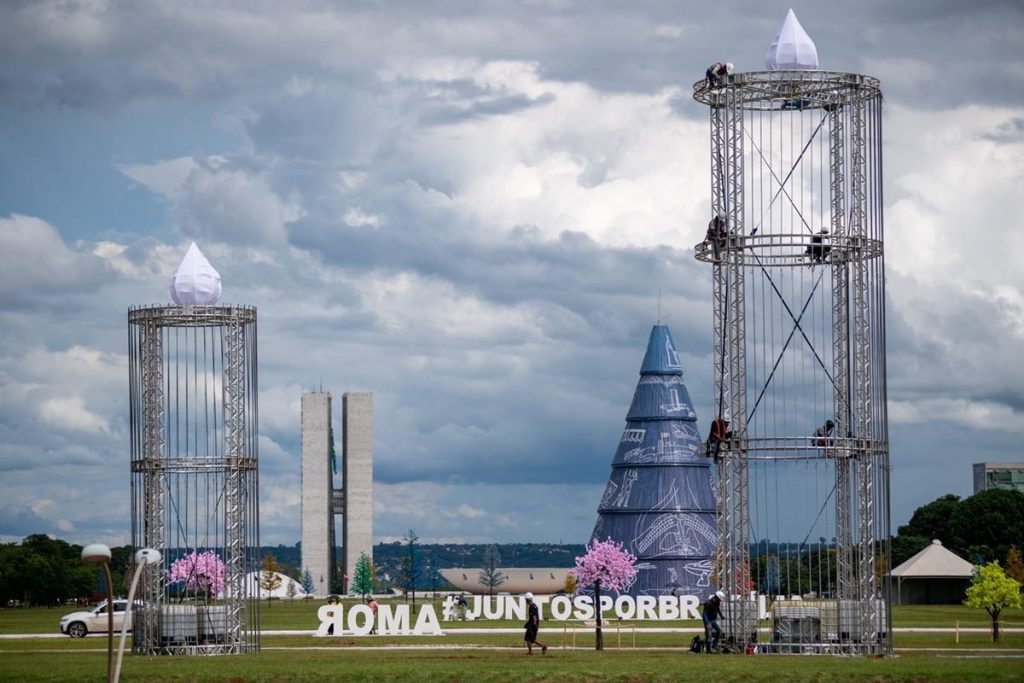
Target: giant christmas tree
{"points": [[659, 503]]}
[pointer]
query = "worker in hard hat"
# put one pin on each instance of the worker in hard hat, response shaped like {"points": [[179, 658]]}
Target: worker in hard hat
{"points": [[823, 434], [819, 247], [717, 73], [719, 432], [717, 235], [710, 613], [532, 625]]}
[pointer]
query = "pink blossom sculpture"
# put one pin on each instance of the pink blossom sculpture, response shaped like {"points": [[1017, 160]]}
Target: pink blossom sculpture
{"points": [[607, 564], [201, 572]]}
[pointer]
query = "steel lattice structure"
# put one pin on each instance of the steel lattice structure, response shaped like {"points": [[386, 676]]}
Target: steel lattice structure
{"points": [[796, 172], [193, 395]]}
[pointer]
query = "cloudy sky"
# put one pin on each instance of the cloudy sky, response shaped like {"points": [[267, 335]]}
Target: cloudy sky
{"points": [[469, 209]]}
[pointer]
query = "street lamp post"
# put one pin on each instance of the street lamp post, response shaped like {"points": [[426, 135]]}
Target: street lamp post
{"points": [[97, 553], [143, 558]]}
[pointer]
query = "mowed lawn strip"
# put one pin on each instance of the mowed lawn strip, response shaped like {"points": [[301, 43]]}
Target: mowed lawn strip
{"points": [[348, 664]]}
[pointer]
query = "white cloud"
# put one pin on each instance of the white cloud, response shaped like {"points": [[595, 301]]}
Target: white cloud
{"points": [[35, 261], [280, 407], [981, 415], [358, 218], [470, 512], [234, 206], [70, 412], [608, 165], [167, 178], [954, 194], [670, 31]]}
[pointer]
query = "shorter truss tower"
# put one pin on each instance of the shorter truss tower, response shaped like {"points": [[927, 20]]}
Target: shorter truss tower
{"points": [[193, 397]]}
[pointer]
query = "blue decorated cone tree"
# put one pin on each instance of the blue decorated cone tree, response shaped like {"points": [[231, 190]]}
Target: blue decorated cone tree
{"points": [[607, 565]]}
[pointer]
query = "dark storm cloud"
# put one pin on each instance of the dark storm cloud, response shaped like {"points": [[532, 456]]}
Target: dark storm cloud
{"points": [[571, 271], [99, 56], [1011, 398], [19, 521], [953, 357], [324, 124]]}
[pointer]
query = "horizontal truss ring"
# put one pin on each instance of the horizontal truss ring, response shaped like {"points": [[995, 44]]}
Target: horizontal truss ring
{"points": [[790, 249]]}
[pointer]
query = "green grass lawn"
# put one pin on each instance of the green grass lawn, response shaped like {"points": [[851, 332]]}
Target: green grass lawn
{"points": [[501, 657], [349, 664]]}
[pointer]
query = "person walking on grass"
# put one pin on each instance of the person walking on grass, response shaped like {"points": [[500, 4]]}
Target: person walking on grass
{"points": [[532, 625], [372, 604]]}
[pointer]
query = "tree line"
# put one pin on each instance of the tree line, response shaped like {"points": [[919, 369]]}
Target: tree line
{"points": [[985, 527], [49, 571], [982, 528]]}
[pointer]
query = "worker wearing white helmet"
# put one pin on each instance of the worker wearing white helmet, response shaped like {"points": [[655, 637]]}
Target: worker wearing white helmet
{"points": [[710, 613], [532, 625], [718, 73], [819, 247]]}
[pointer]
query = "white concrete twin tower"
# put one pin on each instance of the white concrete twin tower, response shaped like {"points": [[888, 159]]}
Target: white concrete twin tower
{"points": [[321, 501]]}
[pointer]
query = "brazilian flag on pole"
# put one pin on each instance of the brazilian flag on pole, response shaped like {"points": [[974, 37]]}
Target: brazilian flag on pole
{"points": [[334, 455]]}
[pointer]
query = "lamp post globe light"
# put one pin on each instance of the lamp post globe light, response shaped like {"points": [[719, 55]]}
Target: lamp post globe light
{"points": [[99, 554]]}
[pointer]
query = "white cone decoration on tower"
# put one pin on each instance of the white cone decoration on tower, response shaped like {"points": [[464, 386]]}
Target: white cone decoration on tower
{"points": [[195, 282], [792, 47]]}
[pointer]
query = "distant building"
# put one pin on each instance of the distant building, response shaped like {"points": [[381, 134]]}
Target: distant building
{"points": [[999, 475], [542, 581], [321, 501], [934, 576]]}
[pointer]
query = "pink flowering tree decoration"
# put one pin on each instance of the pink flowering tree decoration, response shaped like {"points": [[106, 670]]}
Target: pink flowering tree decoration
{"points": [[606, 564], [201, 572]]}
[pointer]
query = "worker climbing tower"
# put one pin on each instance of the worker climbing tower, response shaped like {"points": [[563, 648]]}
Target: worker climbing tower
{"points": [[658, 502], [799, 350]]}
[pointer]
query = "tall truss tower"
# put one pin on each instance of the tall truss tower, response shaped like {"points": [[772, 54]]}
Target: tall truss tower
{"points": [[799, 356]]}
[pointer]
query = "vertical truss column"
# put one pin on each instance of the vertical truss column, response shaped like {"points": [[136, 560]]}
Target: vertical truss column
{"points": [[235, 455], [722, 376], [841, 355], [154, 478], [732, 552], [723, 401], [862, 363]]}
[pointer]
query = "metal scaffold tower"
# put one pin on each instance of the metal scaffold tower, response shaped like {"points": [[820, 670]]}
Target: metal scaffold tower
{"points": [[796, 246], [193, 393]]}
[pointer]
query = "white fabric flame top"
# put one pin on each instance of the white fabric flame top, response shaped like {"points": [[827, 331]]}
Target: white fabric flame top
{"points": [[196, 282], [792, 47]]}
